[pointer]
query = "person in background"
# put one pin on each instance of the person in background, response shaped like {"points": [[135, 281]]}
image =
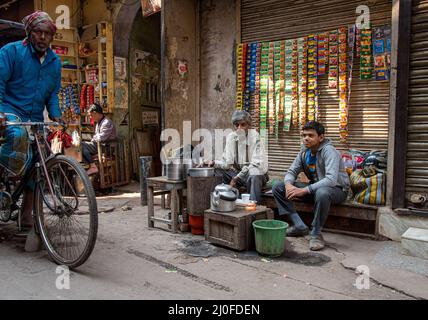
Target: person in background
{"points": [[105, 131], [30, 79], [329, 183], [244, 159]]}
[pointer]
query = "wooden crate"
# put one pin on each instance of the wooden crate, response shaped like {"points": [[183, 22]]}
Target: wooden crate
{"points": [[234, 229], [199, 193]]}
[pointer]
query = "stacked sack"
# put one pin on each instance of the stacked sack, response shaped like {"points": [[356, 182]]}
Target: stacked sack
{"points": [[368, 176]]}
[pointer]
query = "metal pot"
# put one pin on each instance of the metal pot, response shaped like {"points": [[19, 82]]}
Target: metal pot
{"points": [[175, 169], [223, 198], [201, 172], [188, 164]]}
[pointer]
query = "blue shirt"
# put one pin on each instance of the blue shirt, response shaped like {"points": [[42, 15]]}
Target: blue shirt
{"points": [[26, 85], [311, 163]]}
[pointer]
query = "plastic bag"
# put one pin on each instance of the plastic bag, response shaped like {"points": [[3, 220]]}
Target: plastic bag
{"points": [[357, 158], [75, 139], [347, 162], [368, 186], [56, 144], [377, 158]]}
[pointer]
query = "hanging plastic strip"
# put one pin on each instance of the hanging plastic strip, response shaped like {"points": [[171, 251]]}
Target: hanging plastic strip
{"points": [[351, 54], [366, 58], [382, 52], [288, 85], [264, 81], [256, 107], [343, 81], [239, 70], [302, 78], [323, 39], [312, 76], [247, 91], [333, 64], [295, 85], [271, 88], [278, 85]]}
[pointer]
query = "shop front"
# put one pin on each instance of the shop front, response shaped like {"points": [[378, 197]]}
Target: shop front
{"points": [[417, 135], [334, 89]]}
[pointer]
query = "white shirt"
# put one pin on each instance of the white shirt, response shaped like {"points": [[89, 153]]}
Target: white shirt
{"points": [[253, 162]]}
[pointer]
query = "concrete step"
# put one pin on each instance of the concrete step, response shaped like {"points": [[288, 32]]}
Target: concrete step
{"points": [[415, 242]]}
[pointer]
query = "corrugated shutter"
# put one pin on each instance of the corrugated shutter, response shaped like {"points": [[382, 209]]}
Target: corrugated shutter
{"points": [[272, 20], [417, 148]]}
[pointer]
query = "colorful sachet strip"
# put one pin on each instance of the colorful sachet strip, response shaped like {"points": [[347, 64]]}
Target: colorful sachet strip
{"points": [[277, 82]]}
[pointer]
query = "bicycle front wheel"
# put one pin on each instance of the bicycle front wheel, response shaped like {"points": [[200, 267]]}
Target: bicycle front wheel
{"points": [[66, 212]]}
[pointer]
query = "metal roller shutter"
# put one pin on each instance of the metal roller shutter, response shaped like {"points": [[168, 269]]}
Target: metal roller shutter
{"points": [[417, 148], [272, 20]]}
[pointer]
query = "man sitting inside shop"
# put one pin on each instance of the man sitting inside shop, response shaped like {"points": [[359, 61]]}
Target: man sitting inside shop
{"points": [[105, 131], [243, 163], [329, 183]]}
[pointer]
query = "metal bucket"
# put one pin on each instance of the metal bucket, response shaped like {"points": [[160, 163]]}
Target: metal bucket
{"points": [[175, 169]]}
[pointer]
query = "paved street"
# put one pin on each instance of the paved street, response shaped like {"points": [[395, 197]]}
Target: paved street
{"points": [[131, 261]]}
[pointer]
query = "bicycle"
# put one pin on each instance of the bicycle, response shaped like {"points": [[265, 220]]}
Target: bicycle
{"points": [[65, 207]]}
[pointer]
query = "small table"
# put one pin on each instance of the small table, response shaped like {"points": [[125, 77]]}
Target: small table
{"points": [[166, 186]]}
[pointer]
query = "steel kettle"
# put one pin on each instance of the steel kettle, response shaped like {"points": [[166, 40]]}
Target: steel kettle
{"points": [[223, 198]]}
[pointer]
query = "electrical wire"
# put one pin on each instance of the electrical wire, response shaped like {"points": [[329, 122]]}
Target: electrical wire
{"points": [[7, 4]]}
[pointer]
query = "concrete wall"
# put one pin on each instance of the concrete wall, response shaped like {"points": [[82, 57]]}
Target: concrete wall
{"points": [[50, 7], [181, 41], [218, 78], [95, 11]]}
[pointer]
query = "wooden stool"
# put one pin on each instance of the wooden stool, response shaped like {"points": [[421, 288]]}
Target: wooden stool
{"points": [[162, 186]]}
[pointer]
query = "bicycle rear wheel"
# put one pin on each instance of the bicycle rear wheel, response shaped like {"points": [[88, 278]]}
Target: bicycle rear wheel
{"points": [[67, 219]]}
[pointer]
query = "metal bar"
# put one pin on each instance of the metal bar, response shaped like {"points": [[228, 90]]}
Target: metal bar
{"points": [[29, 123], [42, 163], [400, 60]]}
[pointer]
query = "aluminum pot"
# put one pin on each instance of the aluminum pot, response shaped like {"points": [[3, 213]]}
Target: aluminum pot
{"points": [[201, 172], [175, 169]]}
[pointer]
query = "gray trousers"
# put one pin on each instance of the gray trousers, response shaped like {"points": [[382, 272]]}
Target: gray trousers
{"points": [[88, 150], [322, 199], [253, 184]]}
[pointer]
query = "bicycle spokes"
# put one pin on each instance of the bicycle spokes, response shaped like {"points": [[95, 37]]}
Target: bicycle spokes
{"points": [[67, 213]]}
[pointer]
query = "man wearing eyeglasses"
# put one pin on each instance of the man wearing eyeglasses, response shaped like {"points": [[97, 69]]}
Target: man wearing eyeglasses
{"points": [[30, 78], [244, 162]]}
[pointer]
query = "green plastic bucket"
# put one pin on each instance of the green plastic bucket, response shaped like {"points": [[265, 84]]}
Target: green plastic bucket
{"points": [[270, 236]]}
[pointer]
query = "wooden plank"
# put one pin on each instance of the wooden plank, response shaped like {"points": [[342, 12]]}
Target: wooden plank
{"points": [[346, 210], [169, 222]]}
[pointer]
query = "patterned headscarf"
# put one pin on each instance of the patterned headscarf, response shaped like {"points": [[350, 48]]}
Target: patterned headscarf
{"points": [[35, 19]]}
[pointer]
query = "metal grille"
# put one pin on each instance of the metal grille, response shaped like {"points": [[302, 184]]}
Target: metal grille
{"points": [[417, 148]]}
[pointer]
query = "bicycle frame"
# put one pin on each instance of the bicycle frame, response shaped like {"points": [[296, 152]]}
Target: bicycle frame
{"points": [[36, 139]]}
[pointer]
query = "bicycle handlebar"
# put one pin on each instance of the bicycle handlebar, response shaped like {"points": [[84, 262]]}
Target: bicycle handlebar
{"points": [[46, 124]]}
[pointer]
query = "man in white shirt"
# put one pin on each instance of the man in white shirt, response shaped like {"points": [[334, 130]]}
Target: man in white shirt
{"points": [[244, 161], [105, 131]]}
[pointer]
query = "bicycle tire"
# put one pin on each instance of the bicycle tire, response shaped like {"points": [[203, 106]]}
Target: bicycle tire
{"points": [[92, 211]]}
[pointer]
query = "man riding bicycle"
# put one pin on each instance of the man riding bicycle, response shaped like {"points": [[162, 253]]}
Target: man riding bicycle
{"points": [[30, 79]]}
